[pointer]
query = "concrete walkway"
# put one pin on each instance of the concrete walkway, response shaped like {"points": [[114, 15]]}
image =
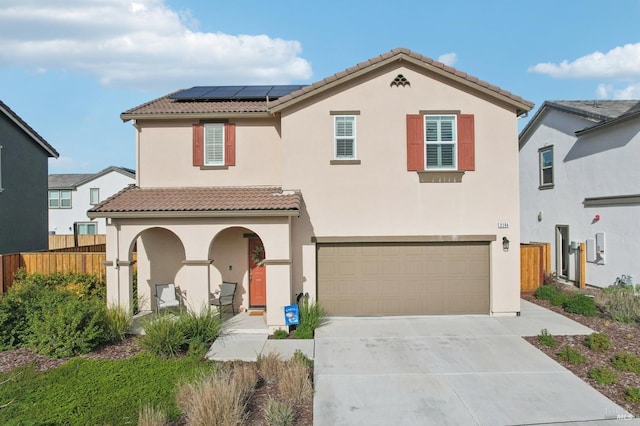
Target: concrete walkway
{"points": [[450, 370]]}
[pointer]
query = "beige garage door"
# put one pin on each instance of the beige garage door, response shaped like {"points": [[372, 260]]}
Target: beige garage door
{"points": [[365, 279]]}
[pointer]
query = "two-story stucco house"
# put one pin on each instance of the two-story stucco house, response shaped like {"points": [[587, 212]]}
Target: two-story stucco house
{"points": [[390, 188], [71, 195], [579, 183], [24, 156]]}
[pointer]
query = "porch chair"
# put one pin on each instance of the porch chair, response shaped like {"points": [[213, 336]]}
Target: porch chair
{"points": [[225, 297], [166, 296]]}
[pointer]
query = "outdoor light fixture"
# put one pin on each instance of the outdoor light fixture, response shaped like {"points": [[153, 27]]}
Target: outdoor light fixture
{"points": [[597, 217], [505, 244]]}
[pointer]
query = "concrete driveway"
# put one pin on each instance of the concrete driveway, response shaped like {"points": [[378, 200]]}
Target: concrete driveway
{"points": [[449, 370]]}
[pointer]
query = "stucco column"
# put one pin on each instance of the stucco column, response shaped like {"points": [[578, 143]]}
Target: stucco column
{"points": [[126, 287], [196, 287], [278, 291]]}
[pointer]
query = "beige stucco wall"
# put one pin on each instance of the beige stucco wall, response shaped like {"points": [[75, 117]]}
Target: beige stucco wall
{"points": [[165, 155], [379, 197]]}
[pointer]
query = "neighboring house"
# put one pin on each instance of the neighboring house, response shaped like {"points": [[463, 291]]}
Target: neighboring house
{"points": [[71, 195], [385, 189], [580, 182], [24, 156]]}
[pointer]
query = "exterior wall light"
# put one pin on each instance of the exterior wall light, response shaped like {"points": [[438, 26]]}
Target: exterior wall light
{"points": [[597, 217], [505, 244]]}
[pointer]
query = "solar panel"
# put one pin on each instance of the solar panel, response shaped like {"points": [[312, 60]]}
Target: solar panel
{"points": [[203, 93]]}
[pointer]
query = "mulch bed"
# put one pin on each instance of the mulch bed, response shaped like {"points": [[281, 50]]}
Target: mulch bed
{"points": [[623, 337]]}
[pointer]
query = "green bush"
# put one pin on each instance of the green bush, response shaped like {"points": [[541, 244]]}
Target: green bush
{"points": [[546, 339], [118, 322], [632, 394], [598, 342], [546, 292], [622, 304], [603, 375], [559, 299], [280, 334], [278, 413], [303, 332], [627, 362], [300, 358], [164, 336], [202, 328], [312, 316], [571, 355], [580, 304]]}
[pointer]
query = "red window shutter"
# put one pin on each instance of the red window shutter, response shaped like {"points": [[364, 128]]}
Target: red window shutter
{"points": [[466, 142], [415, 142], [230, 144], [198, 141]]}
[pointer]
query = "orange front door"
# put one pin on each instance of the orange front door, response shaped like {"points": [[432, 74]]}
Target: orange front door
{"points": [[257, 274]]}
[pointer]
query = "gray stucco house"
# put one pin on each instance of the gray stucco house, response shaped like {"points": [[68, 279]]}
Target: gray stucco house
{"points": [[24, 158]]}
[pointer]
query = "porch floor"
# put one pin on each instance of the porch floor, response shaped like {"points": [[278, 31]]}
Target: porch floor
{"points": [[242, 322]]}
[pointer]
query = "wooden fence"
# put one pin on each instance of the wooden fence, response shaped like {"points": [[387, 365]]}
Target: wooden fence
{"points": [[65, 241], [535, 263]]}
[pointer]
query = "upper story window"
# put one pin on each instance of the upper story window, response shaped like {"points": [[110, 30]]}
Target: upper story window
{"points": [[94, 196], [345, 137], [59, 198], [214, 145], [86, 228], [546, 166], [440, 139]]}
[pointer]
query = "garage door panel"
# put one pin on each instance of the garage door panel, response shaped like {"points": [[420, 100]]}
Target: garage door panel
{"points": [[403, 278]]}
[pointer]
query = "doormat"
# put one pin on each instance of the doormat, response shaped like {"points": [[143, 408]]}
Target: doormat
{"points": [[255, 313]]}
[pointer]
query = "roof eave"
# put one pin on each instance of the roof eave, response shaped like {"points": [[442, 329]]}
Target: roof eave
{"points": [[608, 123], [193, 115], [36, 138], [194, 214], [521, 107]]}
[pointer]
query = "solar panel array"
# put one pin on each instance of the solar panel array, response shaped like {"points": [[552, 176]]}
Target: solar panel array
{"points": [[223, 93]]}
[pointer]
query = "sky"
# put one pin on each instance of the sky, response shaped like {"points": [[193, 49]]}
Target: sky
{"points": [[70, 67]]}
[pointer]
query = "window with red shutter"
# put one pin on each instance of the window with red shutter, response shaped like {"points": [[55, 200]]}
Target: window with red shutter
{"points": [[230, 144], [415, 142], [466, 142], [198, 145], [214, 144]]}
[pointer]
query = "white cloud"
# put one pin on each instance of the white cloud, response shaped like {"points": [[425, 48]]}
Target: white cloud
{"points": [[141, 44], [608, 91], [621, 62], [67, 164], [448, 58]]}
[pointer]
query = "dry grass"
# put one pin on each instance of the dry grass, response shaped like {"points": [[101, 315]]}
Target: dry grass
{"points": [[151, 416], [247, 378], [295, 385], [217, 399], [270, 366]]}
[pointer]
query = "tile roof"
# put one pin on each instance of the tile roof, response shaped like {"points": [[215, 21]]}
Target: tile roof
{"points": [[197, 200], [165, 106], [29, 130]]}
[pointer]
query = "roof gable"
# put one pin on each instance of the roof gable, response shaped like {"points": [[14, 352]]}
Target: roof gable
{"points": [[39, 140], [73, 180]]}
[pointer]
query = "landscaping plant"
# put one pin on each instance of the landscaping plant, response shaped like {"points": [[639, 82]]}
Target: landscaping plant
{"points": [[621, 303], [278, 413], [580, 304], [571, 355], [603, 375], [312, 316], [280, 334], [626, 361], [546, 292], [632, 394], [546, 339], [598, 342]]}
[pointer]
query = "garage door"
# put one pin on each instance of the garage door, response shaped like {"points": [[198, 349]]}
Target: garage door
{"points": [[366, 279]]}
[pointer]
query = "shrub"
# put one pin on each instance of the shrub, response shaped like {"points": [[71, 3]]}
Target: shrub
{"points": [[598, 342], [270, 366], [149, 415], [546, 292], [118, 322], [627, 362], [295, 385], [621, 304], [312, 315], [603, 375], [303, 332], [202, 327], [580, 304], [301, 358], [559, 299], [546, 339], [164, 336], [571, 355], [216, 399], [632, 394], [68, 327], [280, 334], [278, 413]]}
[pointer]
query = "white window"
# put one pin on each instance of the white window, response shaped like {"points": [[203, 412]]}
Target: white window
{"points": [[86, 228], [345, 137], [94, 196], [546, 166], [441, 140], [59, 198], [214, 144]]}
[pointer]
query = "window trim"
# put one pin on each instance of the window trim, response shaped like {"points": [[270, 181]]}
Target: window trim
{"points": [[221, 126], [541, 183], [91, 192], [353, 136], [59, 199], [439, 142]]}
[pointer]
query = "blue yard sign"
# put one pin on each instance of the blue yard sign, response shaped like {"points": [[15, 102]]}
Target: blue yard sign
{"points": [[291, 315]]}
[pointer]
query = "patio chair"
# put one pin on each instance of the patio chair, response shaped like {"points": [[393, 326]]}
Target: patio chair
{"points": [[166, 296], [224, 297]]}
